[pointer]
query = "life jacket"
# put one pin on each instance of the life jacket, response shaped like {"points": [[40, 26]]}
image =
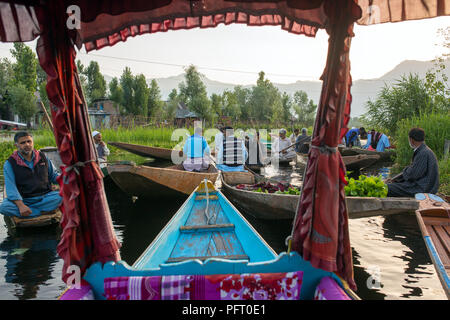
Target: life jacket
{"points": [[232, 152], [31, 182], [375, 137]]}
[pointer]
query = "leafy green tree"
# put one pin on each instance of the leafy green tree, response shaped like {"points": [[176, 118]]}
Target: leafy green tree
{"points": [[127, 85], [25, 66], [264, 99], [141, 94], [155, 104], [116, 94], [305, 108], [406, 98], [242, 99], [23, 102], [193, 93], [171, 105], [217, 106], [83, 79], [286, 108], [6, 79], [96, 84], [231, 105]]}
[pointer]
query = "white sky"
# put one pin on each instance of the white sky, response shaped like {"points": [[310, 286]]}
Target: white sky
{"points": [[284, 57]]}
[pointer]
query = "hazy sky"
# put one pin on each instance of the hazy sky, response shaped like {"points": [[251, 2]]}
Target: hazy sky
{"points": [[240, 52]]}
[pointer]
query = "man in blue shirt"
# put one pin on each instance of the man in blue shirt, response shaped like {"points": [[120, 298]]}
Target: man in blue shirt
{"points": [[28, 177], [352, 138], [197, 152], [377, 141]]}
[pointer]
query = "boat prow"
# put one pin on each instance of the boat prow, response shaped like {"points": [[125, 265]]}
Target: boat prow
{"points": [[209, 242], [150, 182]]}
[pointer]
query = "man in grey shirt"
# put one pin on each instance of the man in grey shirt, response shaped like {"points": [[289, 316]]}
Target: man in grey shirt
{"points": [[422, 175]]}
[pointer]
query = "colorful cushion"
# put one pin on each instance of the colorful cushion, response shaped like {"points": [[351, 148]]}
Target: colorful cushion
{"points": [[258, 286], [84, 292], [328, 289]]}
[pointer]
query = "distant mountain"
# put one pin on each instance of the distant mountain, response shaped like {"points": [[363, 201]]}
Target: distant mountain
{"points": [[362, 90]]}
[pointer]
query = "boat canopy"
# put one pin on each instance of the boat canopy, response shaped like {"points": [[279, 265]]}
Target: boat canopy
{"points": [[320, 230]]}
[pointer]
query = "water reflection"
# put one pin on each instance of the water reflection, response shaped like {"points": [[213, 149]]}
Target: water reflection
{"points": [[29, 261]]}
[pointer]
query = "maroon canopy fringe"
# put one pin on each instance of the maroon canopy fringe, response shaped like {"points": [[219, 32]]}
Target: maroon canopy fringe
{"points": [[88, 234], [320, 229]]}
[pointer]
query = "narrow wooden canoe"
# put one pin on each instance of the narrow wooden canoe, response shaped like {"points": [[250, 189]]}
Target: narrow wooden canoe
{"points": [[272, 206], [151, 182], [207, 236], [146, 151], [355, 162], [384, 156], [433, 218], [14, 223]]}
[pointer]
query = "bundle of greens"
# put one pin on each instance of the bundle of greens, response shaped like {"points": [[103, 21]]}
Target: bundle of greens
{"points": [[364, 186], [267, 187]]}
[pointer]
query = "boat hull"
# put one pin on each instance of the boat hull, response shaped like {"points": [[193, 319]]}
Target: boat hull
{"points": [[433, 218], [151, 182], [270, 206], [146, 151], [384, 156]]}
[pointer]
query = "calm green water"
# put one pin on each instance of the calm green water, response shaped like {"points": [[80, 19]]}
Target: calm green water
{"points": [[390, 258]]}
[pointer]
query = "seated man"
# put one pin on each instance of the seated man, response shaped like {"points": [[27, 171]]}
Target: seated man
{"points": [[257, 152], [232, 154], [279, 146], [300, 145], [293, 137], [102, 149], [197, 152], [28, 178], [376, 141], [352, 138], [422, 176]]}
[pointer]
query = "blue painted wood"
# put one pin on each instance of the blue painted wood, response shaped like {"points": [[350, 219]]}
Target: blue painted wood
{"points": [[96, 274], [420, 196], [173, 243]]}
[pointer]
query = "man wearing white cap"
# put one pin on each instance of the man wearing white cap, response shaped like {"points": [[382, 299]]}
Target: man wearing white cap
{"points": [[102, 149]]}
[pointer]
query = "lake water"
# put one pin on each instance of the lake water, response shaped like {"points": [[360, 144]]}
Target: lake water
{"points": [[390, 258]]}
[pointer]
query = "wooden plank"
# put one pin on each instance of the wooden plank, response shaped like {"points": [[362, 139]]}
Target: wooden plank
{"points": [[229, 257], [438, 245], [444, 239], [207, 227]]}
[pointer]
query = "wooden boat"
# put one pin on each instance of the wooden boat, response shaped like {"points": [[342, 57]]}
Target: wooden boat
{"points": [[384, 156], [149, 182], [433, 218], [271, 206], [355, 162], [205, 244], [53, 154], [146, 151], [15, 223]]}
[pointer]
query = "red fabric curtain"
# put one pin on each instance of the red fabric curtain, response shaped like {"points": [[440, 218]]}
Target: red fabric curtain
{"points": [[88, 235], [320, 230]]}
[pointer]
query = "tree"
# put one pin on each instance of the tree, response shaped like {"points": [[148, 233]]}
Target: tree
{"points": [[193, 93], [141, 94], [116, 94], [217, 106], [155, 105], [172, 103], [25, 67], [96, 84], [286, 108], [264, 99], [6, 79], [304, 108], [406, 98], [23, 102], [230, 105], [242, 99], [127, 85]]}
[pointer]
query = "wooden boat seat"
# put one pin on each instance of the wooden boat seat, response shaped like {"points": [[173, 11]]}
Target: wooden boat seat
{"points": [[207, 228]]}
